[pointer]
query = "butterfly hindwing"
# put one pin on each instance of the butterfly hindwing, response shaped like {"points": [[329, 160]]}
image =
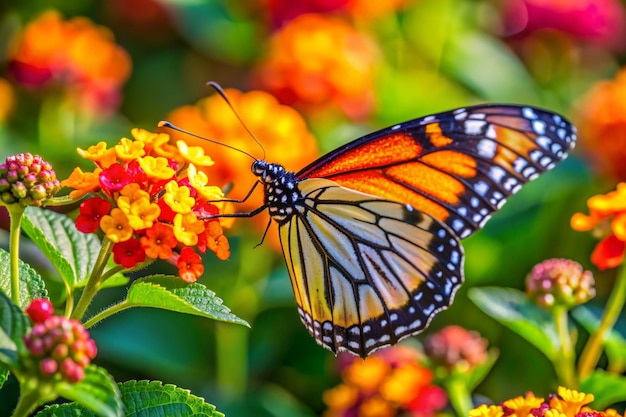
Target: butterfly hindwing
{"points": [[458, 166], [367, 272]]}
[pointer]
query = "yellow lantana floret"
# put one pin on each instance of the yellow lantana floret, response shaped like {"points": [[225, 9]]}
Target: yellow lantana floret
{"points": [[142, 214], [99, 154], [178, 198], [156, 167], [128, 150], [116, 227], [487, 411], [187, 227], [199, 181], [194, 154]]}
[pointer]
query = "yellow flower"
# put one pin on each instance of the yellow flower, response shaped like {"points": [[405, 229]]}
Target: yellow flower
{"points": [[178, 198], [487, 411], [141, 213], [569, 402], [340, 397], [127, 149], [553, 413], [99, 154], [131, 189], [194, 154], [82, 182], [400, 385], [156, 167], [199, 181], [187, 227], [115, 226], [521, 406], [157, 142]]}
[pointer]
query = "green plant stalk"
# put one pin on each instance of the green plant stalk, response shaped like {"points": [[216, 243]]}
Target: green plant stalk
{"points": [[592, 350], [28, 401], [94, 280], [116, 308], [16, 212], [232, 364], [564, 360], [459, 396]]}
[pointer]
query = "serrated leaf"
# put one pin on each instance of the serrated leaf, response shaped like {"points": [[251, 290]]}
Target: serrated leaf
{"points": [[97, 392], [13, 326], [152, 398], [73, 253], [31, 284], [171, 293], [606, 388], [511, 308], [66, 410], [614, 340]]}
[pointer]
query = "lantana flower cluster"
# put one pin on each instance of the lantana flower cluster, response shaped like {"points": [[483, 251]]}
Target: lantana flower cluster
{"points": [[391, 382], [563, 282], [566, 403], [150, 199]]}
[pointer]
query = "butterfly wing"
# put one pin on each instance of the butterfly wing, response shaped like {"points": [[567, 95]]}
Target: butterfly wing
{"points": [[458, 166], [367, 272]]}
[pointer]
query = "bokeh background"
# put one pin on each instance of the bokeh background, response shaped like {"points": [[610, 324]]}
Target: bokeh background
{"points": [[76, 73]]}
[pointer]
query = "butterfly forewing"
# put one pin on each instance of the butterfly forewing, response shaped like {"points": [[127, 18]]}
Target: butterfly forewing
{"points": [[458, 166], [367, 272]]}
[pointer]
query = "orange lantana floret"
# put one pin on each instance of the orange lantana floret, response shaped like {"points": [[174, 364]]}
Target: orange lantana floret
{"points": [[607, 216]]}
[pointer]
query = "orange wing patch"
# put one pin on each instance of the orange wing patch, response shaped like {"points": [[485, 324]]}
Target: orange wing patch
{"points": [[455, 163], [435, 135], [377, 153]]}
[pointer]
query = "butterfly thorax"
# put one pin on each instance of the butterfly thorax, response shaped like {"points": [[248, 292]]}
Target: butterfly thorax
{"points": [[282, 197]]}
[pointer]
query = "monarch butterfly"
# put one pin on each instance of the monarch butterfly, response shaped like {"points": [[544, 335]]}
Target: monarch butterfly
{"points": [[371, 231]]}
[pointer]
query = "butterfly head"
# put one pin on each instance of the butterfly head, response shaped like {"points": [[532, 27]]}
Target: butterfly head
{"points": [[268, 173]]}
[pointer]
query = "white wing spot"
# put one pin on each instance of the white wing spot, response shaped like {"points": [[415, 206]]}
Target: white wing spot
{"points": [[487, 148], [529, 113], [475, 127]]}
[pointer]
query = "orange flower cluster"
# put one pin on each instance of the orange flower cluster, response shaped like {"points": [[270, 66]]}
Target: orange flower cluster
{"points": [[315, 61], [607, 217], [389, 383], [74, 53], [602, 123], [568, 403], [152, 201], [285, 139]]}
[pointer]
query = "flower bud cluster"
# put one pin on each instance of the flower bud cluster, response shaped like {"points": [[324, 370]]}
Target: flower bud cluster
{"points": [[27, 179], [59, 346], [560, 282]]}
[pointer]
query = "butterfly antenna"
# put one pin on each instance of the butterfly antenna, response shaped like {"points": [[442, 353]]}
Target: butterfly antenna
{"points": [[220, 91], [186, 132]]}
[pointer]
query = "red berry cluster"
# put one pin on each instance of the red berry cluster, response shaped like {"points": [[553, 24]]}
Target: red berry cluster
{"points": [[27, 179], [59, 345]]}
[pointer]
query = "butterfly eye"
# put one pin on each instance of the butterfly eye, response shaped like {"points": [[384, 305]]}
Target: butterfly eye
{"points": [[259, 167]]}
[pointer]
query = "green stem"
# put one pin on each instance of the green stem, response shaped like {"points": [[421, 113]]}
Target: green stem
{"points": [[592, 350], [116, 308], [232, 352], [460, 397], [564, 360], [94, 280], [27, 403], [16, 212]]}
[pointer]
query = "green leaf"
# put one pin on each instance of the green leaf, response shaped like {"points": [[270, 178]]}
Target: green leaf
{"points": [[13, 326], [97, 392], [614, 340], [4, 375], [479, 372], [73, 253], [148, 398], [171, 293], [31, 284], [606, 388], [65, 410], [511, 308]]}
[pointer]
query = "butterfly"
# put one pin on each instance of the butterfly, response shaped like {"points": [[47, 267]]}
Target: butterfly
{"points": [[371, 231]]}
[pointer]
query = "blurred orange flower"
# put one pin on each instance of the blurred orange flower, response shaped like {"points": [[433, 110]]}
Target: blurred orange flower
{"points": [[391, 382], [607, 217], [602, 123], [315, 61], [74, 53], [282, 131], [7, 99]]}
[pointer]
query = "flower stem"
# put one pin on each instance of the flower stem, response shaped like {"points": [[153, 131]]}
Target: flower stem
{"points": [[564, 360], [94, 280], [16, 212], [27, 403], [460, 397], [592, 350], [116, 308]]}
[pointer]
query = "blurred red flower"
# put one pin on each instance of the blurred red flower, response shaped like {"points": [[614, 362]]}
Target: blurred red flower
{"points": [[74, 53], [318, 61], [598, 21]]}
